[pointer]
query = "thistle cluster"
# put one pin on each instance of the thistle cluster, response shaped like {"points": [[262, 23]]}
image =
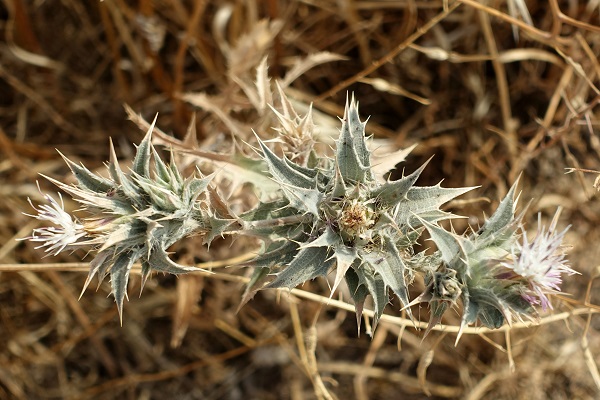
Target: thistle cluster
{"points": [[325, 216]]}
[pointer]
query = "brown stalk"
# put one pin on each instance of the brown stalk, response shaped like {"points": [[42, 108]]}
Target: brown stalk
{"points": [[391, 55]]}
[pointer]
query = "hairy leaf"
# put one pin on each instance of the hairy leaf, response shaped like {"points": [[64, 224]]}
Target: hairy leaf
{"points": [[308, 264]]}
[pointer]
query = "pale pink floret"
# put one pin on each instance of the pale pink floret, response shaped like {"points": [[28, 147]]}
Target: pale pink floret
{"points": [[541, 263], [64, 232]]}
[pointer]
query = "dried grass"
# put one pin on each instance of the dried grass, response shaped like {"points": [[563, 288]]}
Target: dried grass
{"points": [[495, 89]]}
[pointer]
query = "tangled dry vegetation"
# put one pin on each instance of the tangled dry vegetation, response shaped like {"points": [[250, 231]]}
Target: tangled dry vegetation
{"points": [[494, 89]]}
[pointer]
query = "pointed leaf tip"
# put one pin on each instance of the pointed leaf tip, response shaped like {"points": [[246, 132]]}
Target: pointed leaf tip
{"points": [[352, 156], [141, 161], [504, 214], [392, 193], [449, 244], [119, 278], [87, 179], [344, 257], [283, 172]]}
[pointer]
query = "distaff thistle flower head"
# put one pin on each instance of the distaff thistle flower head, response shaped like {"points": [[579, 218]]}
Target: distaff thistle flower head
{"points": [[499, 279], [133, 216], [359, 226]]}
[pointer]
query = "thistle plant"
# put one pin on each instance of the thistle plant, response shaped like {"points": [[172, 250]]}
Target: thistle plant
{"points": [[326, 215]]}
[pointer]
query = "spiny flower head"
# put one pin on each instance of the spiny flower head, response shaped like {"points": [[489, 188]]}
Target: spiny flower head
{"points": [[132, 216], [361, 227], [471, 264], [499, 279]]}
